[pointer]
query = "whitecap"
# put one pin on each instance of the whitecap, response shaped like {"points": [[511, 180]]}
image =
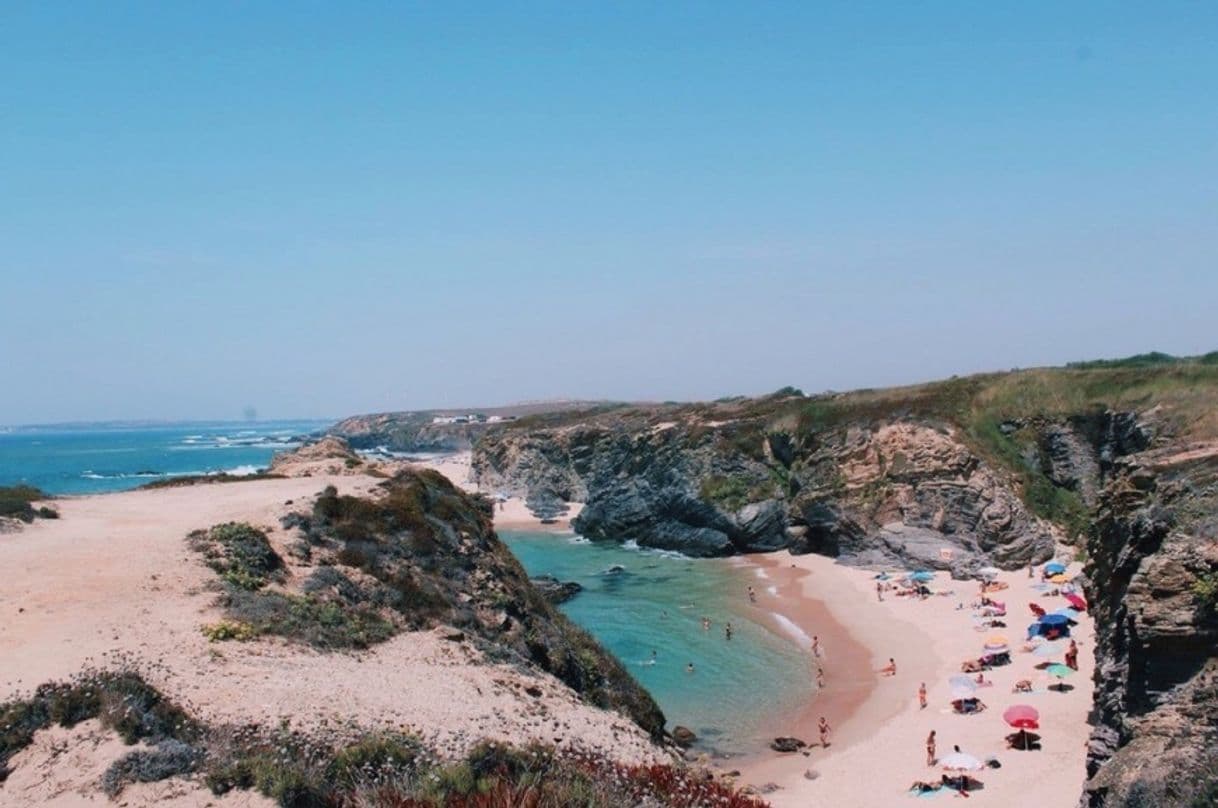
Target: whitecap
{"points": [[760, 573], [630, 544], [793, 631], [773, 590]]}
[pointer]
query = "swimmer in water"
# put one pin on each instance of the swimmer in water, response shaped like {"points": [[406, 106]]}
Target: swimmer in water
{"points": [[689, 668], [752, 595], [706, 624], [727, 631]]}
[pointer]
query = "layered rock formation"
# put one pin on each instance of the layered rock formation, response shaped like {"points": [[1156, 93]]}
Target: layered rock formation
{"points": [[871, 492], [1154, 593]]}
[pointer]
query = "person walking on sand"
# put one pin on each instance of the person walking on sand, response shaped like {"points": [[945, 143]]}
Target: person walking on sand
{"points": [[922, 697], [820, 677], [930, 749], [890, 669], [752, 595], [815, 646], [823, 728]]}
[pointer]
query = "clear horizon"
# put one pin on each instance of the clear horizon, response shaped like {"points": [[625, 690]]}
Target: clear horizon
{"points": [[317, 213]]}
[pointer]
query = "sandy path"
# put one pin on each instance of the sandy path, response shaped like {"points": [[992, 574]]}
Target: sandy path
{"points": [[878, 744]]}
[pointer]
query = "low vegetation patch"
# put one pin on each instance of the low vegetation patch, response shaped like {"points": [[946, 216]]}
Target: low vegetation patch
{"points": [[375, 768], [240, 554], [209, 479], [16, 502], [733, 493]]}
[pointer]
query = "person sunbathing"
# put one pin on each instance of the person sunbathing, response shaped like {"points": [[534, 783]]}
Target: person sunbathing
{"points": [[972, 666], [1022, 686], [922, 787]]}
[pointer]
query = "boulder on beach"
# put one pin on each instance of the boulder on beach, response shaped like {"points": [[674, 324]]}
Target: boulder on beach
{"points": [[786, 744]]}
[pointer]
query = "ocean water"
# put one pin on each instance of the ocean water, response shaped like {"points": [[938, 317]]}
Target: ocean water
{"points": [[738, 688], [88, 460]]}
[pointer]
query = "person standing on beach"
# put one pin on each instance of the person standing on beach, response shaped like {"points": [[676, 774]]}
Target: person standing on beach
{"points": [[930, 749], [1072, 656], [922, 697], [752, 595], [879, 591], [823, 727], [815, 646], [890, 669], [820, 676]]}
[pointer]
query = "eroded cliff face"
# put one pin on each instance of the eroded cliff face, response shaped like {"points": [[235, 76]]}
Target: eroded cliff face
{"points": [[1154, 592], [869, 492]]}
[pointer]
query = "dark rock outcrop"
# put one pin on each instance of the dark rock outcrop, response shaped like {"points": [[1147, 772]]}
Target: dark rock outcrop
{"points": [[784, 744], [554, 590], [1154, 594], [726, 488]]}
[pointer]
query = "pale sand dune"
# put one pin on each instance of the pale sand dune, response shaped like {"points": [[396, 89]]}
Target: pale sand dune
{"points": [[878, 743], [114, 574]]}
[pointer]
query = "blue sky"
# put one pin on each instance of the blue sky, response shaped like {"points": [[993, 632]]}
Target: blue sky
{"points": [[320, 209]]}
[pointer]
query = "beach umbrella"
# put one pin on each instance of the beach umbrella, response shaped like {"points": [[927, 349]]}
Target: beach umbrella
{"points": [[962, 687], [960, 762], [1022, 716], [1076, 601], [997, 639], [1049, 649], [1054, 568], [989, 572], [921, 576], [1068, 613], [997, 649], [1059, 670], [1054, 619], [1059, 579]]}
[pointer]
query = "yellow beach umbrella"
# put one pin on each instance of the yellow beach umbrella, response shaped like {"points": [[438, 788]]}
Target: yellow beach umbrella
{"points": [[1060, 579]]}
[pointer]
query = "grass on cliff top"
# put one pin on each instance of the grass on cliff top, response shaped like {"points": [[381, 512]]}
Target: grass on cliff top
{"points": [[369, 768]]}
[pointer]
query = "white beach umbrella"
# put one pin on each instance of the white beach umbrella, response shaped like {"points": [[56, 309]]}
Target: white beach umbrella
{"points": [[960, 762], [1049, 648], [962, 687], [989, 572]]}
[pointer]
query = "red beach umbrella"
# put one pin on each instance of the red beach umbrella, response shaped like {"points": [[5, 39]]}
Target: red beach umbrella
{"points": [[1076, 601], [1037, 609], [1022, 716]]}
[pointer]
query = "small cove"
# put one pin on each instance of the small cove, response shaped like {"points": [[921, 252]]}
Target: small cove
{"points": [[656, 602]]}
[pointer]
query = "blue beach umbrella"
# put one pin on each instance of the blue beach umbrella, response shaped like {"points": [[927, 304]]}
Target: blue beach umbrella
{"points": [[1054, 619], [1054, 568], [921, 576]]}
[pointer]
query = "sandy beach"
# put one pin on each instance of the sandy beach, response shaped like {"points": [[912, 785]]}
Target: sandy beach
{"points": [[878, 729], [878, 738]]}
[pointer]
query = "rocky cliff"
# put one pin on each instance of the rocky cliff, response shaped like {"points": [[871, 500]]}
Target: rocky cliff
{"points": [[748, 476], [1154, 590]]}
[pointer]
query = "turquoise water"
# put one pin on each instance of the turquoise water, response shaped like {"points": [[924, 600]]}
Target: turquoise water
{"points": [[738, 687], [88, 460]]}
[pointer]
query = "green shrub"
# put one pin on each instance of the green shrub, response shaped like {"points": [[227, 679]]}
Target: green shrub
{"points": [[1205, 592], [240, 554], [15, 502]]}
